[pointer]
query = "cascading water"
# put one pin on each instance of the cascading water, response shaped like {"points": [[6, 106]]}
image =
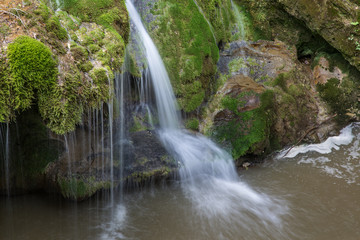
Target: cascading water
{"points": [[208, 174]]}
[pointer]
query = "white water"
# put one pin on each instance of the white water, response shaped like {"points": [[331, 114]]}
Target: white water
{"points": [[208, 174], [317, 155], [326, 147]]}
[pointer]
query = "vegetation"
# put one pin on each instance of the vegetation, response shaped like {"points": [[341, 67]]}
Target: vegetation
{"points": [[192, 124], [111, 14], [29, 71], [246, 129], [188, 47], [78, 188]]}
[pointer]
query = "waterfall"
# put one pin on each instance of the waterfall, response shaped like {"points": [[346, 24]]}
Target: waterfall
{"points": [[208, 175], [165, 98]]}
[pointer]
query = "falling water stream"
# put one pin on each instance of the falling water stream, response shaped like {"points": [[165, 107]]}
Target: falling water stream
{"points": [[208, 176]]}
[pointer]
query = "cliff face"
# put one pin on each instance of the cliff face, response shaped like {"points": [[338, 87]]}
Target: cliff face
{"points": [[335, 20]]}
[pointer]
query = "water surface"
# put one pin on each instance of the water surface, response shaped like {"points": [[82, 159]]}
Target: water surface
{"points": [[311, 195]]}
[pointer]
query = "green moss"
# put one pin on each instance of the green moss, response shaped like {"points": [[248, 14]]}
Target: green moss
{"points": [[32, 70], [53, 25], [146, 176], [86, 67], [192, 124], [187, 46], [280, 81], [220, 14], [79, 53], [337, 97], [236, 64], [61, 108], [193, 96], [137, 125], [248, 130], [43, 11], [79, 188], [108, 13], [6, 101]]}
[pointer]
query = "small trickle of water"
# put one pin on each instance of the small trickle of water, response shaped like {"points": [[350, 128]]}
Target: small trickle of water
{"points": [[111, 117], [239, 20], [209, 24]]}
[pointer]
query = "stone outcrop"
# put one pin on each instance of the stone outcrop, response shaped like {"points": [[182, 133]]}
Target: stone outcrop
{"points": [[337, 21], [267, 100], [85, 167]]}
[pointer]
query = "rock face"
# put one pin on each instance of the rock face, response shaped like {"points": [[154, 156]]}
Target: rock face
{"points": [[335, 20], [267, 99], [85, 167]]}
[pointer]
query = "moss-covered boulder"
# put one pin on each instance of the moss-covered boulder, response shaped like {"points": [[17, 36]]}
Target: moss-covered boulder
{"points": [[85, 167], [266, 99]]}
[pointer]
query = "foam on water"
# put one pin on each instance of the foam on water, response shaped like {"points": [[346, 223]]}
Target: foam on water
{"points": [[345, 138], [344, 162]]}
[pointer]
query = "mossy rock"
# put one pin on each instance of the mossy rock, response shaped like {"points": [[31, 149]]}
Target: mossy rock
{"points": [[187, 45], [79, 188], [246, 131], [111, 14]]}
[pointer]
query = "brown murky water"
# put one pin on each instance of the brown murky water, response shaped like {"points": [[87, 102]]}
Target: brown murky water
{"points": [[311, 195]]}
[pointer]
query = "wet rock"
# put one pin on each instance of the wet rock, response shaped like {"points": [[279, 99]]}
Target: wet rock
{"points": [[151, 161], [85, 168]]}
